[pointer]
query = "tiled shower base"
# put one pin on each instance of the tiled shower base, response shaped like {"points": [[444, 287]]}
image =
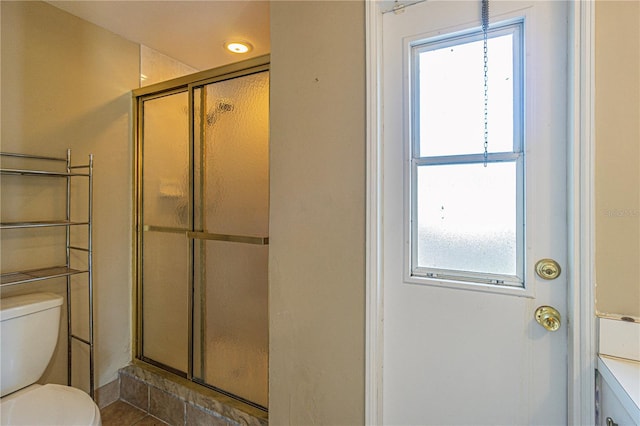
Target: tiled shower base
{"points": [[178, 402]]}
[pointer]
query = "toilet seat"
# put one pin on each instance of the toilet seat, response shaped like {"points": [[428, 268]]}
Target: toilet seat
{"points": [[49, 405]]}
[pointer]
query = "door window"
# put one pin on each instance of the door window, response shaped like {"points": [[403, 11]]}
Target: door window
{"points": [[467, 202]]}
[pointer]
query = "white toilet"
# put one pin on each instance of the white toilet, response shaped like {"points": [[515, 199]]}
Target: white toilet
{"points": [[28, 338]]}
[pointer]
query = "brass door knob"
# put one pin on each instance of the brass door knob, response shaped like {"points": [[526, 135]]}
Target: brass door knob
{"points": [[548, 317]]}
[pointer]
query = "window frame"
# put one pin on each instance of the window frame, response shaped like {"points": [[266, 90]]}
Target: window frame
{"points": [[456, 278]]}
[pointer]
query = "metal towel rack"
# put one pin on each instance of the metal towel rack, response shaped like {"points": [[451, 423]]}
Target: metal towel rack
{"points": [[66, 270]]}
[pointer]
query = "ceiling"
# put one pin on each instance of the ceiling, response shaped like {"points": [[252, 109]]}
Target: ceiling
{"points": [[193, 32]]}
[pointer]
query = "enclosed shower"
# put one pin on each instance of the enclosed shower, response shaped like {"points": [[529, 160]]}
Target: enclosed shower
{"points": [[202, 197]]}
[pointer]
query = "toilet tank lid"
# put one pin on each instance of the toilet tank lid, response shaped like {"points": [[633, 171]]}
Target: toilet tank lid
{"points": [[17, 306]]}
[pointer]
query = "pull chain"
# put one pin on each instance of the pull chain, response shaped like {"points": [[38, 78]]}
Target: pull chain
{"points": [[485, 30]]}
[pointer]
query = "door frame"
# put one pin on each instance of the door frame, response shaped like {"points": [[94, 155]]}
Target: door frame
{"points": [[581, 214]]}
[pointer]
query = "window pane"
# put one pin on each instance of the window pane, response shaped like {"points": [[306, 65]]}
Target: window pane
{"points": [[451, 98], [466, 217]]}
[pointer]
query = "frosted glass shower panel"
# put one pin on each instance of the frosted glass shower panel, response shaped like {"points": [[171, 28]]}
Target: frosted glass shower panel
{"points": [[166, 217], [237, 156], [236, 334], [165, 296], [165, 164], [234, 193]]}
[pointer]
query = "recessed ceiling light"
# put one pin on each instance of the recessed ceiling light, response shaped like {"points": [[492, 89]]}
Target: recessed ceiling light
{"points": [[238, 46]]}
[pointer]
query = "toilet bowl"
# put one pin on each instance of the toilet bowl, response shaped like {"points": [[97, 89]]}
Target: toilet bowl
{"points": [[49, 405], [29, 335]]}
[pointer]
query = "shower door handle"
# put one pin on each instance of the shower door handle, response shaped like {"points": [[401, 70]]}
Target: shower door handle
{"points": [[245, 239]]}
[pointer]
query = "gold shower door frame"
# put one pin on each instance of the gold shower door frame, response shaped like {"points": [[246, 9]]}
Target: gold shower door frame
{"points": [[195, 235]]}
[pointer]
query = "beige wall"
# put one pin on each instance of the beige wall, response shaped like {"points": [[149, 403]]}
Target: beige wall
{"points": [[618, 157], [66, 83], [317, 240]]}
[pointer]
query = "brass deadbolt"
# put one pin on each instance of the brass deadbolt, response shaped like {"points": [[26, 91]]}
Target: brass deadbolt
{"points": [[548, 269]]}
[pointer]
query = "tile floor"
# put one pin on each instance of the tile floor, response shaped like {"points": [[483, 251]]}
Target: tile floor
{"points": [[120, 413]]}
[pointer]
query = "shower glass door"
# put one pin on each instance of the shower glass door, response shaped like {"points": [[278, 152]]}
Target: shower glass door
{"points": [[166, 217], [203, 234], [232, 252]]}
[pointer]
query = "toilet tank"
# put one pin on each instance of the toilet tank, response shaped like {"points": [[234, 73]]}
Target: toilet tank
{"points": [[28, 336]]}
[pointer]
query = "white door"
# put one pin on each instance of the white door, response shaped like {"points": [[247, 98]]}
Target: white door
{"points": [[462, 232]]}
